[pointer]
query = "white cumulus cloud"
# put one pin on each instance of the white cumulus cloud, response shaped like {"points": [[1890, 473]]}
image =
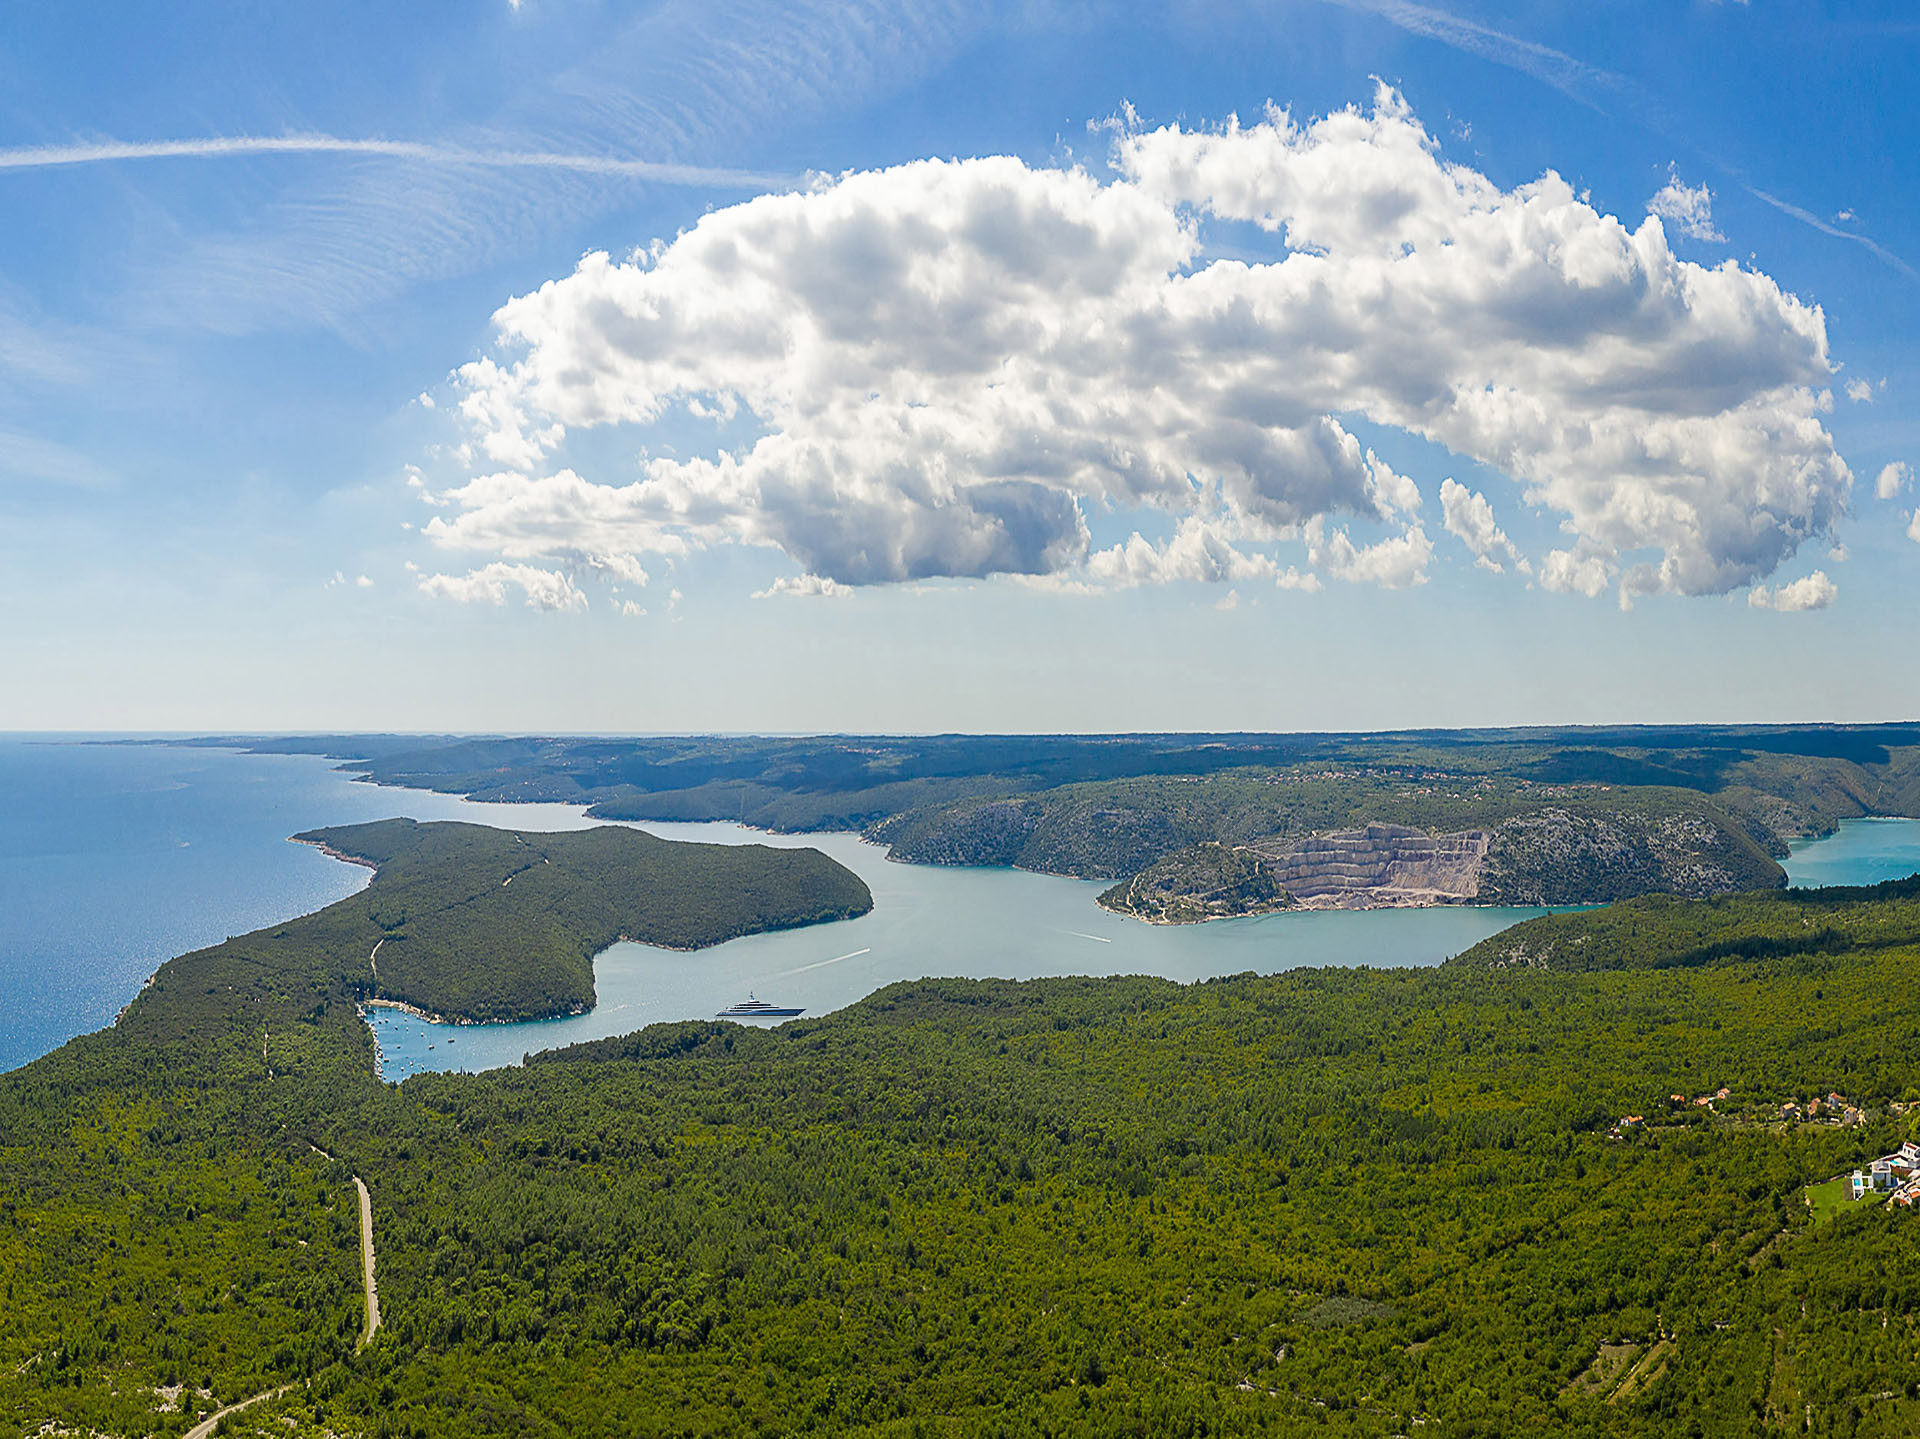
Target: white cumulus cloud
{"points": [[1469, 518], [1893, 479], [1199, 551], [940, 365], [1815, 592], [1581, 570], [1689, 209], [544, 589], [811, 586], [1395, 563]]}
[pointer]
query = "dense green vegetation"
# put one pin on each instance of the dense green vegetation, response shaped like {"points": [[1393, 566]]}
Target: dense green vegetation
{"points": [[487, 924], [1208, 881], [1364, 1202], [1790, 778], [1552, 844], [1661, 932], [1582, 815]]}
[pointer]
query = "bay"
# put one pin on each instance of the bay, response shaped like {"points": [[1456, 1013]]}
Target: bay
{"points": [[116, 857], [931, 922], [1860, 851]]}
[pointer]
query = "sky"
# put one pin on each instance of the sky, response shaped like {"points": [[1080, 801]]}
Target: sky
{"points": [[566, 366]]}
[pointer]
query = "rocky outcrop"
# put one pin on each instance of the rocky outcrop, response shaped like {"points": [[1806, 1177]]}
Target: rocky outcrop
{"points": [[1208, 881], [1374, 867], [1523, 845], [1550, 856], [1554, 856]]}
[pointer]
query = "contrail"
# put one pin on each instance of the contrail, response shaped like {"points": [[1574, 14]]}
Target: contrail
{"points": [[1579, 81], [1572, 77], [1807, 217], [100, 152], [824, 963]]}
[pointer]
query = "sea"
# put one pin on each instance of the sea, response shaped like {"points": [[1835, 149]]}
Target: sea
{"points": [[115, 856]]}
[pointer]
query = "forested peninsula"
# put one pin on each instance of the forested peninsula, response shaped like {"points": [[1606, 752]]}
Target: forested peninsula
{"points": [[477, 924], [1552, 1187], [1194, 827]]}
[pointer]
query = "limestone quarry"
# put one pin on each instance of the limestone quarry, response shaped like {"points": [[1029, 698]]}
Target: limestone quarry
{"points": [[1380, 864], [1548, 857]]}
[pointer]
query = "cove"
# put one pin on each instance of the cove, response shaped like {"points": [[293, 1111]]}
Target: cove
{"points": [[930, 921], [933, 921], [1860, 851], [117, 855]]}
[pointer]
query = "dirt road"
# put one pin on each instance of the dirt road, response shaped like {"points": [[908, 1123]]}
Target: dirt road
{"points": [[204, 1429], [206, 1426], [366, 1261]]}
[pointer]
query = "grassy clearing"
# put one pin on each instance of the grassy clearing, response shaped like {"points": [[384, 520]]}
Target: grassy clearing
{"points": [[1609, 1366], [1829, 1198]]}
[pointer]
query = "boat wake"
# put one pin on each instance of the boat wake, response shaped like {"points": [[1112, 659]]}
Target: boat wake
{"points": [[822, 964]]}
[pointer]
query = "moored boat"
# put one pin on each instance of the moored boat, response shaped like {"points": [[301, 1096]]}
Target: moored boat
{"points": [[751, 1008]]}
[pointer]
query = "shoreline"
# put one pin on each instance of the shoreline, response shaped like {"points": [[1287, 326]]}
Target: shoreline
{"points": [[343, 764], [340, 767], [463, 1022], [1345, 902], [331, 853]]}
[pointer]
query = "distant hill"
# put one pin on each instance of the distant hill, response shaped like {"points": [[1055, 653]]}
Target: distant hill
{"points": [[1578, 815], [1664, 932]]}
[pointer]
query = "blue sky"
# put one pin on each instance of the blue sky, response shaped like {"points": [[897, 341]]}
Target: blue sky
{"points": [[881, 443]]}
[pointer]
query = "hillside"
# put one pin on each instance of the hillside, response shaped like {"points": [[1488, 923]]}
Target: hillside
{"points": [[1354, 1202], [486, 924], [1578, 815], [1209, 881], [1661, 932], [472, 923]]}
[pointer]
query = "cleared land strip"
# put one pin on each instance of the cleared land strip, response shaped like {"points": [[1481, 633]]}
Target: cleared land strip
{"points": [[206, 1426], [366, 1261]]}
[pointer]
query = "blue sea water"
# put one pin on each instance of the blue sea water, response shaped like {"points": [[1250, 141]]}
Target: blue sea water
{"points": [[115, 857]]}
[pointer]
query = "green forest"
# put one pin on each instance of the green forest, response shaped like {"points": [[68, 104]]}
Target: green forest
{"points": [[486, 924], [1659, 931], [1580, 815], [1352, 1202]]}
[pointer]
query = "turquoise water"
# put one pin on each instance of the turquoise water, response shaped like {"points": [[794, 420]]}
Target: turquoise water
{"points": [[1861, 851], [995, 923], [114, 858], [926, 922]]}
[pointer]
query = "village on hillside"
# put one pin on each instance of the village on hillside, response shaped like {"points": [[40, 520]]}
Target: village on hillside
{"points": [[1894, 1177]]}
